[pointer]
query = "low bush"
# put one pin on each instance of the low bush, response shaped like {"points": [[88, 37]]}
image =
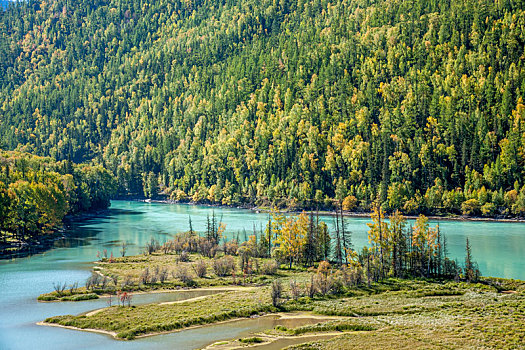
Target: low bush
{"points": [[269, 267], [330, 326], [224, 266], [182, 273], [80, 297], [277, 290], [252, 340], [75, 297], [46, 297], [200, 268]]}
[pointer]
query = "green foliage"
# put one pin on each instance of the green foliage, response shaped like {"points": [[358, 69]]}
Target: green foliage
{"points": [[330, 326], [251, 340], [37, 193], [290, 103], [75, 297]]}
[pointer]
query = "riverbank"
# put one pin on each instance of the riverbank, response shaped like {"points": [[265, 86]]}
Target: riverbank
{"points": [[136, 223], [349, 214]]}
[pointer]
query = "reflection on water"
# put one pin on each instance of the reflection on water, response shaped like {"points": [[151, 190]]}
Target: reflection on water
{"points": [[497, 247]]}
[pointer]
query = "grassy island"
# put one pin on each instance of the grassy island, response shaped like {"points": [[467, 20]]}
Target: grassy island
{"points": [[422, 313]]}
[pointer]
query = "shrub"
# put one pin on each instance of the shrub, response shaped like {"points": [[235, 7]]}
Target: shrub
{"points": [[93, 280], [182, 273], [231, 247], [152, 246], [145, 276], [104, 283], [59, 288], [470, 207], [114, 279], [207, 247], [330, 326], [184, 256], [352, 275], [73, 288], [488, 209], [154, 276], [126, 282], [277, 290], [324, 284], [123, 249], [269, 267], [310, 288], [200, 268], [125, 298], [245, 264], [324, 268], [163, 275], [295, 290], [81, 297], [168, 247], [349, 203], [224, 266], [251, 340], [46, 297]]}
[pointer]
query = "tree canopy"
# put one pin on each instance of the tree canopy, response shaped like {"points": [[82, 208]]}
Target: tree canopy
{"points": [[36, 194], [287, 102]]}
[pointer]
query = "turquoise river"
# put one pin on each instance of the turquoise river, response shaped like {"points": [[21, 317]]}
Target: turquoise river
{"points": [[498, 247]]}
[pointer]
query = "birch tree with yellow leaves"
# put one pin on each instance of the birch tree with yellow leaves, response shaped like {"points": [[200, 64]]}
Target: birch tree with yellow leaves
{"points": [[291, 238]]}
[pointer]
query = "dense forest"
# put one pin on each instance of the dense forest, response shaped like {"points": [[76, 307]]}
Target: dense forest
{"points": [[305, 103], [36, 194]]}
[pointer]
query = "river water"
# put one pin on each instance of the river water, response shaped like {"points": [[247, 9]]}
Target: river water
{"points": [[499, 249]]}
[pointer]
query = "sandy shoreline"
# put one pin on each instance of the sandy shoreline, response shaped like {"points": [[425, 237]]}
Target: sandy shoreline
{"points": [[92, 330]]}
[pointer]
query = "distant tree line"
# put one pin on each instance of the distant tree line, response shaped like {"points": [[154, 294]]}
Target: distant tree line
{"points": [[36, 194]]}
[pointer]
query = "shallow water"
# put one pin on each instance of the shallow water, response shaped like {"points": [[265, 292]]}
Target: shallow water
{"points": [[497, 247]]}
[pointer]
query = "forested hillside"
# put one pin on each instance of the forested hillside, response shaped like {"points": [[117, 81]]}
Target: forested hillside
{"points": [[287, 102], [37, 193]]}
